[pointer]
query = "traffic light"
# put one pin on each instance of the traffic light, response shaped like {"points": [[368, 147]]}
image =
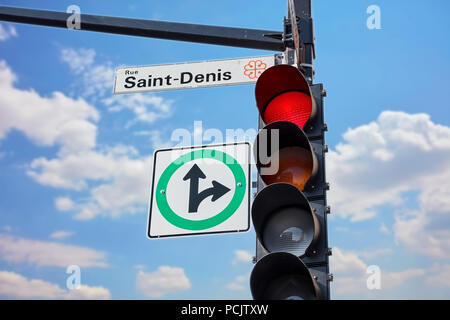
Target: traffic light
{"points": [[282, 93], [289, 211]]}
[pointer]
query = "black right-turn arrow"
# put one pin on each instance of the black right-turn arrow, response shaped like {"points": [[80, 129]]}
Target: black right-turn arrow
{"points": [[195, 198]]}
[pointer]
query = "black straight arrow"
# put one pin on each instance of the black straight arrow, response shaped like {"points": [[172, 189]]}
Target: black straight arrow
{"points": [[195, 198]]}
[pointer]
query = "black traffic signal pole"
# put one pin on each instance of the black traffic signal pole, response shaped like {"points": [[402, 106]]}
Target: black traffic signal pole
{"points": [[303, 11], [234, 37]]}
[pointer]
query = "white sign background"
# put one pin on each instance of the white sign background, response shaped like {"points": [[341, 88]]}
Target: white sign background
{"points": [[177, 192], [201, 74]]}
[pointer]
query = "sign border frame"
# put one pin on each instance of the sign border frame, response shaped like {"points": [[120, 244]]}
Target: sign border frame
{"points": [[187, 62], [249, 189]]}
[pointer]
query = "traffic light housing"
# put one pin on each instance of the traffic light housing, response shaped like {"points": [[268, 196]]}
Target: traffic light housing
{"points": [[289, 211]]}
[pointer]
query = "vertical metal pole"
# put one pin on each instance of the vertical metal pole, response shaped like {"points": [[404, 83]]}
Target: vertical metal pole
{"points": [[303, 11]]}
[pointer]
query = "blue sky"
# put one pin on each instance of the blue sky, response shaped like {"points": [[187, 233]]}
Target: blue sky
{"points": [[76, 164]]}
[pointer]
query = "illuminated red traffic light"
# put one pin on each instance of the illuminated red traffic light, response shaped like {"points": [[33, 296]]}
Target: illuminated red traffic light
{"points": [[294, 106], [283, 94]]}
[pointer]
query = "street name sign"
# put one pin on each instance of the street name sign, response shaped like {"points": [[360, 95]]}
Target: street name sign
{"points": [[190, 74], [200, 190]]}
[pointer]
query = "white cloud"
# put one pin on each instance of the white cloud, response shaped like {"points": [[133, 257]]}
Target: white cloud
{"points": [[120, 175], [423, 233], [240, 283], [88, 293], [78, 61], [234, 286], [71, 171], [64, 204], [60, 235], [124, 181], [372, 254], [163, 281], [14, 285], [346, 262], [46, 254], [96, 80], [242, 256], [384, 229], [393, 279], [155, 139], [146, 107], [440, 277], [127, 194], [46, 120], [399, 152], [97, 84], [17, 286], [381, 162], [350, 274], [7, 32]]}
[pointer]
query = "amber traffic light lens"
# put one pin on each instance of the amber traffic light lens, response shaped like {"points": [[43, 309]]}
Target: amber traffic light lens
{"points": [[293, 106], [295, 166]]}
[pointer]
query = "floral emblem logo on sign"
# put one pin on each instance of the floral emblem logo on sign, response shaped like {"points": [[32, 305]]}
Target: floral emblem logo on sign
{"points": [[254, 68]]}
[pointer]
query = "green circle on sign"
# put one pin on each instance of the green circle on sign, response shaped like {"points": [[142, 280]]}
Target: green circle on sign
{"points": [[176, 220]]}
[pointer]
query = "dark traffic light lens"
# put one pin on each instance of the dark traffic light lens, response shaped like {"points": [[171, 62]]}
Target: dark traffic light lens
{"points": [[290, 229], [295, 166], [293, 106], [290, 287], [282, 276]]}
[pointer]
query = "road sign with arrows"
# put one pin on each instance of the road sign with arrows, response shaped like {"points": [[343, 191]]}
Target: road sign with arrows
{"points": [[200, 190]]}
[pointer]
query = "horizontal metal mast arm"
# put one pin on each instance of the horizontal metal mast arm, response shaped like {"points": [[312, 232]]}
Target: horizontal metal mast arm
{"points": [[234, 37]]}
